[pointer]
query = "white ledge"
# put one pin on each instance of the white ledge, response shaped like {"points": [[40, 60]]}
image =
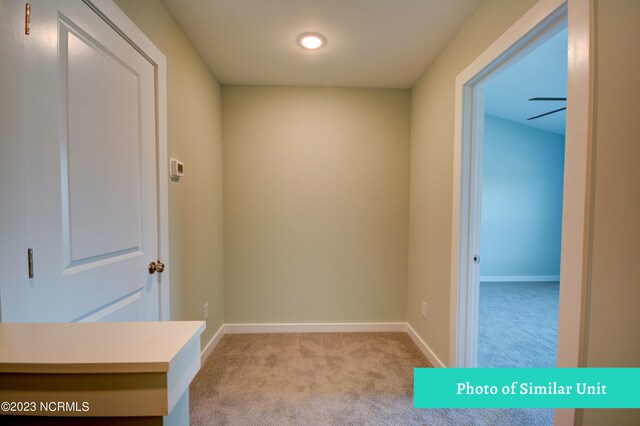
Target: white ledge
{"points": [[136, 369], [134, 347]]}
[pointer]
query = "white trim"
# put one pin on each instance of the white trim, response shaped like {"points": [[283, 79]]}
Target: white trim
{"points": [[120, 22], [163, 189], [426, 350], [516, 41], [209, 347], [539, 23], [577, 192], [315, 328], [475, 205], [520, 278]]}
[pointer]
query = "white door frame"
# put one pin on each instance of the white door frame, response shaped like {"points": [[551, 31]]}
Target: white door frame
{"points": [[528, 32], [121, 23]]}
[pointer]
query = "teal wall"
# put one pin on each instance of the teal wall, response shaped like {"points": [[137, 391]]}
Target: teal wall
{"points": [[522, 178]]}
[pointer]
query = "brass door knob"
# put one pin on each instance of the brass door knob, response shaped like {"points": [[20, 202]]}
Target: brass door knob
{"points": [[153, 267]]}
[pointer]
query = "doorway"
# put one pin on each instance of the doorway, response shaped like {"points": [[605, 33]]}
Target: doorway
{"points": [[521, 187], [540, 23]]}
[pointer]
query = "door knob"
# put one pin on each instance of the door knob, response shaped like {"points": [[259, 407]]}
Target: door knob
{"points": [[153, 267]]}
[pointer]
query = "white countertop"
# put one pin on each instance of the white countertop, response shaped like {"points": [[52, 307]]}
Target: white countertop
{"points": [[93, 347]]}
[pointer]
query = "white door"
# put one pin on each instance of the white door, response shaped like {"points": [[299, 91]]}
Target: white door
{"points": [[91, 181]]}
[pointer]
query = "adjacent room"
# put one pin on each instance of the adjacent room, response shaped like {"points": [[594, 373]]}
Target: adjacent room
{"points": [[249, 212], [521, 214]]}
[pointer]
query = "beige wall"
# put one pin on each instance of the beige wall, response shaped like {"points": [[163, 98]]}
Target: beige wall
{"points": [[612, 334], [432, 110], [316, 192], [316, 204], [613, 317], [195, 203]]}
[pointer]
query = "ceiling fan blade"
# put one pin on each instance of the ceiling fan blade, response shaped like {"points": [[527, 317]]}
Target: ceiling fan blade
{"points": [[547, 113], [548, 99]]}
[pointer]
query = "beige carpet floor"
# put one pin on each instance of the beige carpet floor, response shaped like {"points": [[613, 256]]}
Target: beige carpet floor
{"points": [[322, 379]]}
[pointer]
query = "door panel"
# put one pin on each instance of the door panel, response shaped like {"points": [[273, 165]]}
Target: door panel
{"points": [[128, 308], [91, 161], [103, 176]]}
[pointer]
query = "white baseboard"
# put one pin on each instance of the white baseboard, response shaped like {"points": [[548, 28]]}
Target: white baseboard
{"points": [[384, 327], [315, 328], [204, 354], [426, 350], [520, 278]]}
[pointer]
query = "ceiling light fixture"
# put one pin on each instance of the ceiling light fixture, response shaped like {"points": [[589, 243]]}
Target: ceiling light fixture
{"points": [[311, 41]]}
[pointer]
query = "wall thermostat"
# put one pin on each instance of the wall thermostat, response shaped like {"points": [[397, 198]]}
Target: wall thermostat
{"points": [[176, 169]]}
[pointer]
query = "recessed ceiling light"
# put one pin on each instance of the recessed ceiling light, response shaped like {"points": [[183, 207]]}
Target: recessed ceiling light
{"points": [[311, 41]]}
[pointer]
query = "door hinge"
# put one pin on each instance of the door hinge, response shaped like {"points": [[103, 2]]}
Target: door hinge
{"points": [[476, 258], [30, 261], [27, 18]]}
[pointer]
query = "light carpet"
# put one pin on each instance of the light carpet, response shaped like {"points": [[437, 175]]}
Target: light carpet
{"points": [[323, 379], [518, 327], [518, 324]]}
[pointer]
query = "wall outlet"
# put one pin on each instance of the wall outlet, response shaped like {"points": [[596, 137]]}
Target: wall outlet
{"points": [[205, 311], [424, 310]]}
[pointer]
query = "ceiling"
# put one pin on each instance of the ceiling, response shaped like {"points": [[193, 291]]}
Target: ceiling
{"points": [[541, 73], [370, 43]]}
